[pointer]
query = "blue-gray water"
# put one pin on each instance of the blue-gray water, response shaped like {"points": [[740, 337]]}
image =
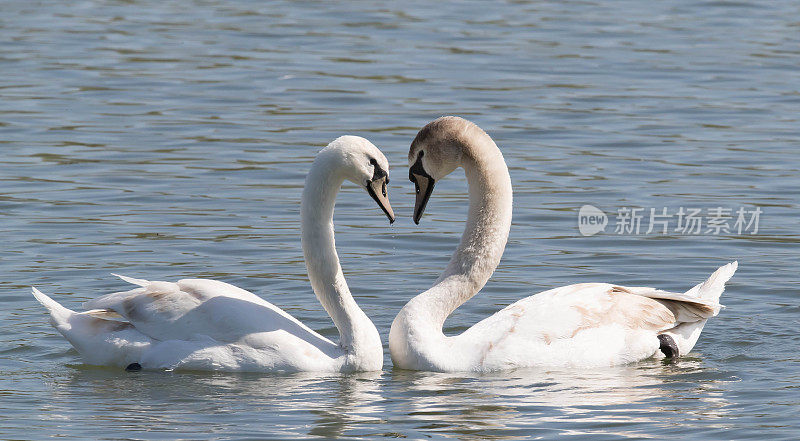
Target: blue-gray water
{"points": [[165, 139]]}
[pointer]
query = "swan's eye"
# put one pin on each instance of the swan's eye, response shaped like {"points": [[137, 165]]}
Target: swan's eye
{"points": [[421, 154], [373, 162]]}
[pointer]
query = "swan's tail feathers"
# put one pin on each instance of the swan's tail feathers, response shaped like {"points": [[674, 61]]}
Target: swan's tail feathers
{"points": [[710, 290], [59, 315], [686, 333], [101, 337], [132, 281], [700, 302]]}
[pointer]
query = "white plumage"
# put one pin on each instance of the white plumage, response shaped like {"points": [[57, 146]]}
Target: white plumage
{"points": [[211, 325], [587, 324]]}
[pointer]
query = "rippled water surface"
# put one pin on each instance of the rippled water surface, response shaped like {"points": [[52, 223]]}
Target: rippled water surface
{"points": [[164, 140]]}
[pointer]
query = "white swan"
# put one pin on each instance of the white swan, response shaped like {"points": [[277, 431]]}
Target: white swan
{"points": [[210, 325], [587, 324]]}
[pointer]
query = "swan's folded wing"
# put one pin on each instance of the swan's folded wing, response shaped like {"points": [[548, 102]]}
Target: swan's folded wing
{"points": [[566, 311], [600, 304], [700, 302], [192, 308], [183, 295], [686, 307], [590, 323], [155, 309]]}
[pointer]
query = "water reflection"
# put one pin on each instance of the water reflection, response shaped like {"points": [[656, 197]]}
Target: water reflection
{"points": [[640, 400], [545, 400], [337, 404], [356, 399]]}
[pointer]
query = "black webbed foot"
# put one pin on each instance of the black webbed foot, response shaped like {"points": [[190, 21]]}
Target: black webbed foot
{"points": [[133, 367], [667, 346]]}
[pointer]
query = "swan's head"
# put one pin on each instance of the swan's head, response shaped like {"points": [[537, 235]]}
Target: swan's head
{"points": [[363, 164], [438, 149]]}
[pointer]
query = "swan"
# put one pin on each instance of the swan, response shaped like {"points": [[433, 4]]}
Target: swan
{"points": [[203, 324], [581, 325]]}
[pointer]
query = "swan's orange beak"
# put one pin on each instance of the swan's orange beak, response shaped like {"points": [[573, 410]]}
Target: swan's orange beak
{"points": [[377, 189], [423, 184]]}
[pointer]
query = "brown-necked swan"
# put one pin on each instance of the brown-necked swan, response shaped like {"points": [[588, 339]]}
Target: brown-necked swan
{"points": [[586, 324]]}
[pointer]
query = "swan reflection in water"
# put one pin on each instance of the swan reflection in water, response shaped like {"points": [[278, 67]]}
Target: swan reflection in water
{"points": [[236, 404], [624, 401], [618, 400]]}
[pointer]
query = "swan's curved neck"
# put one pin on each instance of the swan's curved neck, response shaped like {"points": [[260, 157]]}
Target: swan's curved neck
{"points": [[356, 332], [484, 238]]}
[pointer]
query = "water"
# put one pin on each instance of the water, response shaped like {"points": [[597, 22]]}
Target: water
{"points": [[170, 139]]}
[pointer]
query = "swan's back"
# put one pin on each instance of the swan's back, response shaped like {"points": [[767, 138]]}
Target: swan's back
{"points": [[595, 324]]}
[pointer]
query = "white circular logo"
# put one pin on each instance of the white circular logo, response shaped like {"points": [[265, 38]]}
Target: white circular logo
{"points": [[591, 220]]}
